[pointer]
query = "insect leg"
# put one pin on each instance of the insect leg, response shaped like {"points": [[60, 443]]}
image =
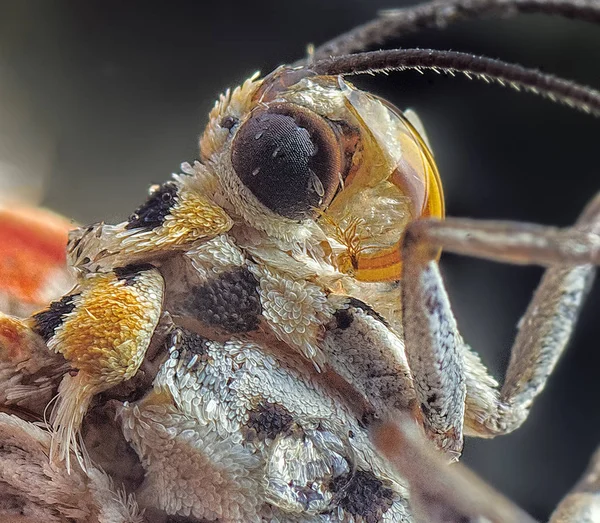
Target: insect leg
{"points": [[582, 504], [543, 332], [439, 493], [361, 348], [434, 349], [512, 242]]}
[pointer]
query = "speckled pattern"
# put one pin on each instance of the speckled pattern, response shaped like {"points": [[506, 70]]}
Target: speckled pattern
{"points": [[254, 423]]}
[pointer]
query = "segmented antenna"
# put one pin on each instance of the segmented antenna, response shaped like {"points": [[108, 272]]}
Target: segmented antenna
{"points": [[439, 14], [489, 70]]}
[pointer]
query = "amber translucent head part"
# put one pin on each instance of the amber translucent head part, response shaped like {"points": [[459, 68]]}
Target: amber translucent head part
{"points": [[396, 182]]}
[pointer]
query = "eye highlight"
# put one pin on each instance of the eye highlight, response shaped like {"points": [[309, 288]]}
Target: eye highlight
{"points": [[289, 158]]}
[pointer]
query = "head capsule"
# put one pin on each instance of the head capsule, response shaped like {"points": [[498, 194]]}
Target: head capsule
{"points": [[305, 152]]}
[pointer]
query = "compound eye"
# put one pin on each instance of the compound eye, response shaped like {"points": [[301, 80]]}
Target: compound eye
{"points": [[289, 158]]}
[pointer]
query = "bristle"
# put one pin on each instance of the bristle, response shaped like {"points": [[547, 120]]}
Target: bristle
{"points": [[74, 396], [482, 68], [82, 454]]}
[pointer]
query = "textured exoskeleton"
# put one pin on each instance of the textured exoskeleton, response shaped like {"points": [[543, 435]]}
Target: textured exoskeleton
{"points": [[268, 337]]}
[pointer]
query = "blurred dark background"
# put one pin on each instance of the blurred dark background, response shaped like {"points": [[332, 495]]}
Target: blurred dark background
{"points": [[98, 99]]}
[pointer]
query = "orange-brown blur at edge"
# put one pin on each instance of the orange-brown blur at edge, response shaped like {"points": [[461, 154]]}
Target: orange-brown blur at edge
{"points": [[32, 246]]}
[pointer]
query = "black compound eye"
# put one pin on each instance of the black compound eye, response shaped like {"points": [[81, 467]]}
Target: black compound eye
{"points": [[289, 158]]}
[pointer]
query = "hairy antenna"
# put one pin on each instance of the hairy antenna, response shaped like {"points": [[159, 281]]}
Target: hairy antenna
{"points": [[487, 69], [440, 13]]}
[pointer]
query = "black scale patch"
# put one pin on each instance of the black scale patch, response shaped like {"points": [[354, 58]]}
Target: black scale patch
{"points": [[188, 342], [345, 317], [47, 321], [230, 301], [267, 421], [152, 214], [360, 493], [185, 346], [129, 273]]}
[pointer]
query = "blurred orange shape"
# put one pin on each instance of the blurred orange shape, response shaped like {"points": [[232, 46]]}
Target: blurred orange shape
{"points": [[33, 269]]}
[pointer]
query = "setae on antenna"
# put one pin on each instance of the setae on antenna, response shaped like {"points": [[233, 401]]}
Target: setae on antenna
{"points": [[489, 70], [439, 14]]}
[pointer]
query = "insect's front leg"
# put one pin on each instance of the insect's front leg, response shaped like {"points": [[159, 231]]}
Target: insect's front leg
{"points": [[582, 503], [364, 350], [444, 368]]}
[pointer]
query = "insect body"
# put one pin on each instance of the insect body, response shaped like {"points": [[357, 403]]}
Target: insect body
{"points": [[259, 326]]}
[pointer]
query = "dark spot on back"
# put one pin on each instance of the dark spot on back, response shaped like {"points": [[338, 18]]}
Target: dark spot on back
{"points": [[157, 207], [268, 420], [343, 318], [130, 272], [361, 493], [229, 301], [47, 321], [187, 341], [357, 304]]}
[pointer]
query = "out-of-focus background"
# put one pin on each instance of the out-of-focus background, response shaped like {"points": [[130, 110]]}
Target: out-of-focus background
{"points": [[99, 99]]}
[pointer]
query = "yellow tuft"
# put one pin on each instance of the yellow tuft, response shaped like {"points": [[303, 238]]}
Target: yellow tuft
{"points": [[74, 396]]}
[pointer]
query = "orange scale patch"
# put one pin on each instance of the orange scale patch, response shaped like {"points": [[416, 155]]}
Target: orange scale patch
{"points": [[109, 331]]}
